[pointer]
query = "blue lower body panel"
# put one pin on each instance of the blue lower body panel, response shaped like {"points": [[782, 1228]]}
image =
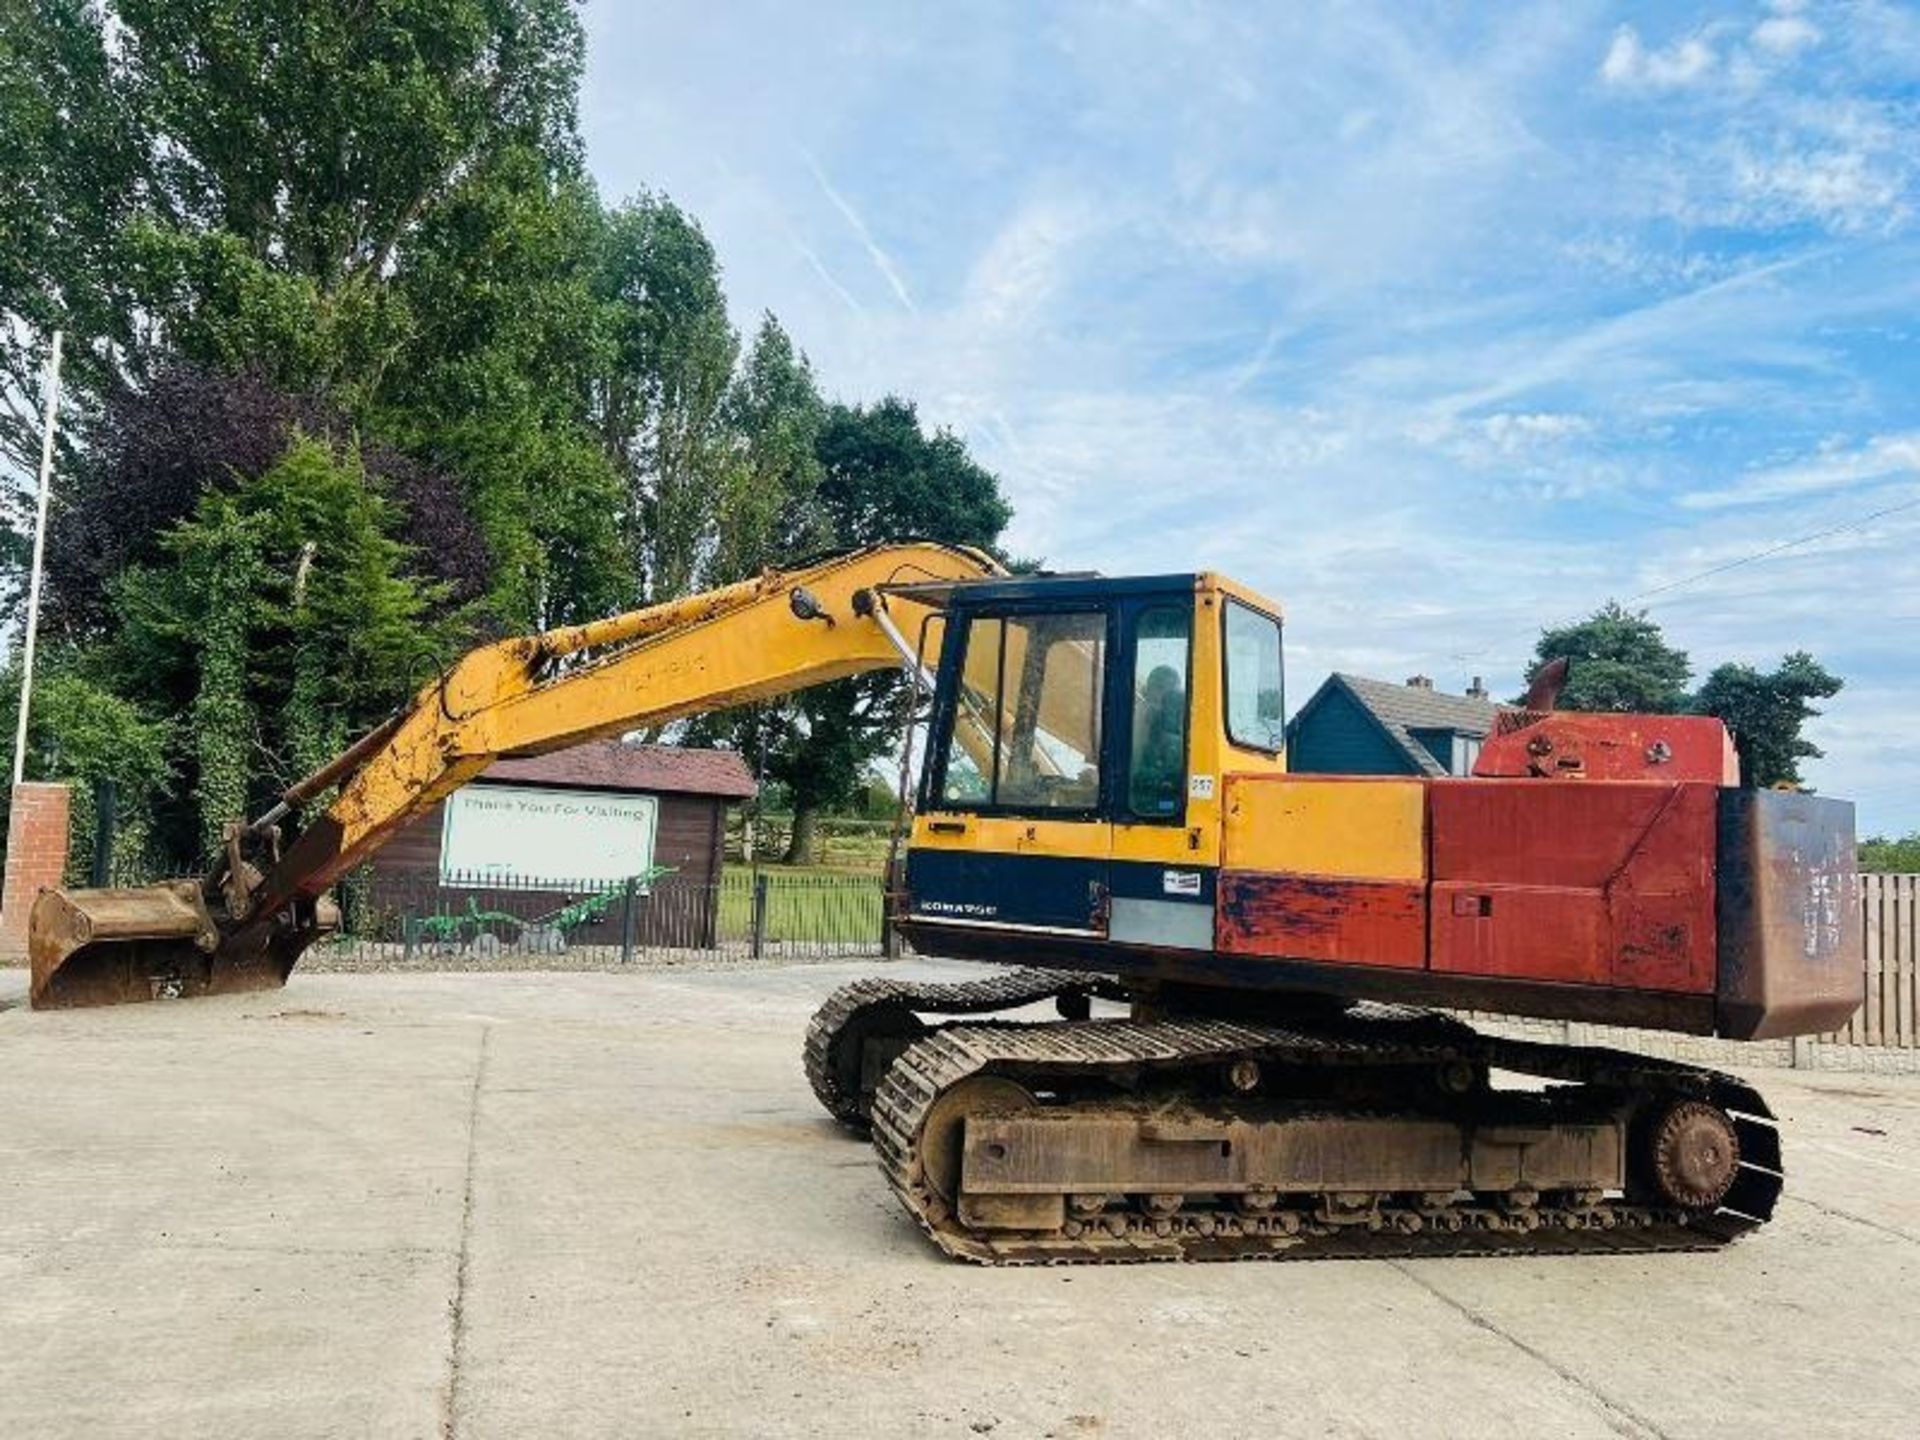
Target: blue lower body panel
{"points": [[1050, 891], [1130, 902]]}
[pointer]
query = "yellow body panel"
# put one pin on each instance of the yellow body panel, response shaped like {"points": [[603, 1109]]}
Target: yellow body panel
{"points": [[1358, 829], [1011, 835], [1068, 839], [1193, 844], [1213, 761]]}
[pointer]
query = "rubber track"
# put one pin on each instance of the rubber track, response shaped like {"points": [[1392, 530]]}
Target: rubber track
{"points": [[1376, 1035], [963, 997]]}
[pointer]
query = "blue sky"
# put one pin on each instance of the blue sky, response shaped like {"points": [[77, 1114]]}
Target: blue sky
{"points": [[1438, 323]]}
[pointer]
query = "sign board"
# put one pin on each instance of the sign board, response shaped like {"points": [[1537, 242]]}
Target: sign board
{"points": [[518, 832]]}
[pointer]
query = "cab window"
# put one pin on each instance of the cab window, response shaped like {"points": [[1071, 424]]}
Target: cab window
{"points": [[1255, 705], [1026, 714], [1157, 770]]}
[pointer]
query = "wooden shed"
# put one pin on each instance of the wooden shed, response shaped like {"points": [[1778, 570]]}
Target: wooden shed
{"points": [[547, 827]]}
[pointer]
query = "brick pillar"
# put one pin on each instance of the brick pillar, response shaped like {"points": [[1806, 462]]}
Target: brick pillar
{"points": [[36, 858]]}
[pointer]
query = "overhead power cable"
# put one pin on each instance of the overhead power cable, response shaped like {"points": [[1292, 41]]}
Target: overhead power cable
{"points": [[1758, 555], [1772, 550]]}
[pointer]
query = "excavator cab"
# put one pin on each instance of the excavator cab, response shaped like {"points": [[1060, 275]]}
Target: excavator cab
{"points": [[1078, 736]]}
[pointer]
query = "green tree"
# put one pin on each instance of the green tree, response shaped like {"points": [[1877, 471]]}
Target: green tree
{"points": [[284, 621], [1891, 856], [662, 397], [887, 479], [513, 336], [149, 455], [770, 497], [1766, 712], [242, 182], [769, 512], [320, 134], [82, 733], [1620, 660], [220, 559], [224, 171], [72, 163], [883, 478]]}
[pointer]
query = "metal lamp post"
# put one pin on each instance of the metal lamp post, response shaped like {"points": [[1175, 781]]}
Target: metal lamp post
{"points": [[39, 555]]}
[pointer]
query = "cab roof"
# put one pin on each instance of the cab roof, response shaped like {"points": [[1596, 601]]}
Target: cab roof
{"points": [[1081, 585]]}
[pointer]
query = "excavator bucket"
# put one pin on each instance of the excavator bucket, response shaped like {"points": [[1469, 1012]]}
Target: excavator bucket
{"points": [[112, 947]]}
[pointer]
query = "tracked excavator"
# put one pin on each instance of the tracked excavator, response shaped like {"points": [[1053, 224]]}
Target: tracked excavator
{"points": [[1257, 975]]}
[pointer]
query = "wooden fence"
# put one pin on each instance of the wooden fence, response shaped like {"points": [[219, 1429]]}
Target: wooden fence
{"points": [[1891, 1015]]}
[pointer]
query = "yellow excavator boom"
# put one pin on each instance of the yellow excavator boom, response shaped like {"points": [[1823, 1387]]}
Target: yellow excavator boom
{"points": [[244, 926]]}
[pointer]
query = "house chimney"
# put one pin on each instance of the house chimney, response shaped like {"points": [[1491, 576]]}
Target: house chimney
{"points": [[1476, 691], [1420, 682]]}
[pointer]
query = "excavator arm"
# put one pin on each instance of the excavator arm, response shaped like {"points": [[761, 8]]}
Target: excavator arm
{"points": [[244, 926]]}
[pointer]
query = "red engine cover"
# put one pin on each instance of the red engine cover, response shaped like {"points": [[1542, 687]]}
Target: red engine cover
{"points": [[1584, 884], [1580, 745]]}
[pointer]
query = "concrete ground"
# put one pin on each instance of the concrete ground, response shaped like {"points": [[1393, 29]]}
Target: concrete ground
{"points": [[532, 1205]]}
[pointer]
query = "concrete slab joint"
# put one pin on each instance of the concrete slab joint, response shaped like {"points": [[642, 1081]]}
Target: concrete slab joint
{"points": [[457, 1304]]}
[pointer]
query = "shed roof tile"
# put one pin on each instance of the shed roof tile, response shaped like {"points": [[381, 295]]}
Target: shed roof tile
{"points": [[1403, 709], [622, 765]]}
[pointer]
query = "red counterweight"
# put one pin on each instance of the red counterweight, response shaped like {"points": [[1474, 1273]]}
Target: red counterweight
{"points": [[1601, 884], [1602, 866]]}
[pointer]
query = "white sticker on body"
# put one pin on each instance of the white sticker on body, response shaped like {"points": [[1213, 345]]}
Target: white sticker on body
{"points": [[1200, 787], [1180, 882]]}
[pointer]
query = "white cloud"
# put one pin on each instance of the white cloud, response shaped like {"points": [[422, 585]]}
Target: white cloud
{"points": [[1837, 466], [1850, 171], [1709, 56], [1629, 63], [882, 261], [1755, 131], [1626, 257], [1022, 265], [1780, 158], [1512, 433], [1517, 441], [1785, 34]]}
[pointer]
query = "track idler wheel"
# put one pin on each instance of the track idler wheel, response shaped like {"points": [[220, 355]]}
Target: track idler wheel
{"points": [[942, 1139], [1689, 1154]]}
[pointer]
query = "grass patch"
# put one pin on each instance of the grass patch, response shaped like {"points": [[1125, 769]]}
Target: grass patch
{"points": [[803, 904]]}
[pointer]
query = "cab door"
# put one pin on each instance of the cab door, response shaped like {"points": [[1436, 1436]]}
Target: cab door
{"points": [[1013, 830], [1161, 872]]}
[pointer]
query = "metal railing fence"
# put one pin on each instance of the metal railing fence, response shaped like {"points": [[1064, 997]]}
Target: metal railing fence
{"points": [[489, 918]]}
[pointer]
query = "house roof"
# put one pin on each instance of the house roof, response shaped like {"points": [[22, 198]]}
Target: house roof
{"points": [[1403, 709], [619, 765]]}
